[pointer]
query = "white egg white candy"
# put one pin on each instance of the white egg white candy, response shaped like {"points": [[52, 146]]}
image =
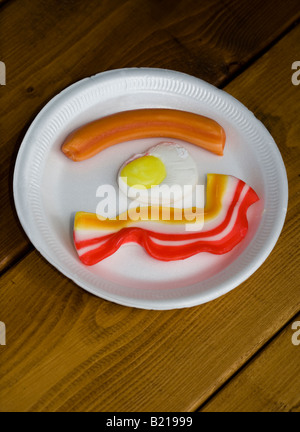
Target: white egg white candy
{"points": [[181, 176]]}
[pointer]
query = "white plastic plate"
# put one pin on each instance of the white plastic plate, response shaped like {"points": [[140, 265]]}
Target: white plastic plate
{"points": [[49, 188]]}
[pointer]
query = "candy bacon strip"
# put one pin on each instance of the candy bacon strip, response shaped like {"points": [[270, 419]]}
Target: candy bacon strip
{"points": [[225, 226], [90, 139]]}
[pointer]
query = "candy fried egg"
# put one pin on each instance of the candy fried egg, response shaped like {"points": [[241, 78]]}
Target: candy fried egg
{"points": [[158, 176]]}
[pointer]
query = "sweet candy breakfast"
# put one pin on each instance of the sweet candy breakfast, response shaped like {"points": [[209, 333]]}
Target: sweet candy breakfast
{"points": [[96, 136], [223, 223]]}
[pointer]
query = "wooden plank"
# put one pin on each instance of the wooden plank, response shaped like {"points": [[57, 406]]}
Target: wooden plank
{"points": [[3, 1], [69, 351], [48, 47], [270, 383]]}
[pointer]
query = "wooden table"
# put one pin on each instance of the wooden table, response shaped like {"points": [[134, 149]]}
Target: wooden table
{"points": [[70, 351]]}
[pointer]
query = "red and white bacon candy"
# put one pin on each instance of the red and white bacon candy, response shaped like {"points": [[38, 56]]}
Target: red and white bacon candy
{"points": [[224, 226]]}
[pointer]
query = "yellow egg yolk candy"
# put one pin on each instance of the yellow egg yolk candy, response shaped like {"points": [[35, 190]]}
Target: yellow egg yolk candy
{"points": [[144, 172]]}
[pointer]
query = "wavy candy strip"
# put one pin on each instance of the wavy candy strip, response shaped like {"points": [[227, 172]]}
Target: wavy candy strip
{"points": [[225, 225]]}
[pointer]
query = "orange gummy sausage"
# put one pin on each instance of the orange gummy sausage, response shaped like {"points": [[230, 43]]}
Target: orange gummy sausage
{"points": [[96, 136]]}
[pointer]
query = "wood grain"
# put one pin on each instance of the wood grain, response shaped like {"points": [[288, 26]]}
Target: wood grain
{"points": [[270, 383], [3, 1], [50, 44], [69, 351]]}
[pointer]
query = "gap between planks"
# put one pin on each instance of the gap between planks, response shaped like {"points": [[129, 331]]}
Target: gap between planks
{"points": [[259, 55], [226, 81], [251, 359]]}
